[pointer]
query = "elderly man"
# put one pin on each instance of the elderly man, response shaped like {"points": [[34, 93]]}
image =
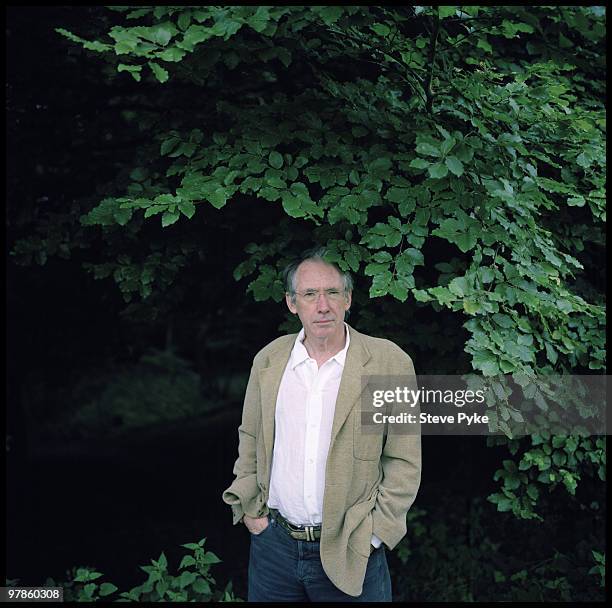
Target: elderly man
{"points": [[320, 498]]}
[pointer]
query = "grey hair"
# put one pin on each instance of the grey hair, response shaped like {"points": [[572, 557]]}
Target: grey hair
{"points": [[316, 254]]}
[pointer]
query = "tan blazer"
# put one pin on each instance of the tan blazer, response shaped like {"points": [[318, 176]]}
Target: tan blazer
{"points": [[370, 482]]}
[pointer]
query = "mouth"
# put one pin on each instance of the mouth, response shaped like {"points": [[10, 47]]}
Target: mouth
{"points": [[323, 322]]}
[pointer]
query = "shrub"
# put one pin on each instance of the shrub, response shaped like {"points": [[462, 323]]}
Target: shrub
{"points": [[481, 555], [193, 584]]}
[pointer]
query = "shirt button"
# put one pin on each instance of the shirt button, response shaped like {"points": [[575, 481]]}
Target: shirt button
{"points": [[310, 460]]}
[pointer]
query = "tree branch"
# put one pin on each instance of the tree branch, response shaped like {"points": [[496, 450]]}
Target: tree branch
{"points": [[431, 59], [368, 45]]}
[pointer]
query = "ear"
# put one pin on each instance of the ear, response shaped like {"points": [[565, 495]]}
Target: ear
{"points": [[290, 304], [349, 299]]}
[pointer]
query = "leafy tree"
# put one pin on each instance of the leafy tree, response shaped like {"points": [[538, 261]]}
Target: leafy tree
{"points": [[452, 157]]}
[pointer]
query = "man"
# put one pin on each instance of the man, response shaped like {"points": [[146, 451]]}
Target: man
{"points": [[321, 498]]}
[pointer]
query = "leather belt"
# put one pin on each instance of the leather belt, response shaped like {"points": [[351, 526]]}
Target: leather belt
{"points": [[308, 533]]}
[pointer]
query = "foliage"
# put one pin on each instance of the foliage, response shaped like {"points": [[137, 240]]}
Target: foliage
{"points": [[600, 567], [553, 461], [473, 556], [452, 157], [194, 584]]}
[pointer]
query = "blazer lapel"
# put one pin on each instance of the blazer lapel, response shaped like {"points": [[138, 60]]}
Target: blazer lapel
{"points": [[269, 383], [352, 383]]}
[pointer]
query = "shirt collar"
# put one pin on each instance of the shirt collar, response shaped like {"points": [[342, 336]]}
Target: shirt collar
{"points": [[299, 354]]}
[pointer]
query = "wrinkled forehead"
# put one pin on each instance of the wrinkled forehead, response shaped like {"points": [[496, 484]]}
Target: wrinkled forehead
{"points": [[314, 274]]}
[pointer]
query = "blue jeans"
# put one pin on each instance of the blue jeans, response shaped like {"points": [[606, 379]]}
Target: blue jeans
{"points": [[282, 569]]}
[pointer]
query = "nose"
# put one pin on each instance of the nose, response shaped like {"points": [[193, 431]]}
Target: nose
{"points": [[322, 302]]}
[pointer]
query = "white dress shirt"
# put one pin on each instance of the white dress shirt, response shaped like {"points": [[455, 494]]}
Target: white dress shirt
{"points": [[303, 420]]}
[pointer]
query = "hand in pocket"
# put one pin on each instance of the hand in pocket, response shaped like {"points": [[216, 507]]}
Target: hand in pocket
{"points": [[256, 525]]}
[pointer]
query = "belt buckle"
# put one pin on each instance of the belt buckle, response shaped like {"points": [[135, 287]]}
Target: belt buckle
{"points": [[309, 532]]}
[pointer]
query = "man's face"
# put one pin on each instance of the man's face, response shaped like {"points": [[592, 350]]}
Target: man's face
{"points": [[322, 315]]}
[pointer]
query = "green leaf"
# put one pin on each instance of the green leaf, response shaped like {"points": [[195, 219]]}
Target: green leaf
{"points": [[187, 208], [169, 217], [446, 11], [168, 145], [414, 255], [504, 504], [184, 20], [134, 70], [382, 256], [188, 560], [455, 232], [486, 362], [91, 46], [471, 307], [352, 259], [154, 209], [464, 153], [218, 198], [397, 195], [194, 35], [201, 586], [486, 274], [160, 73], [576, 201], [172, 54], [284, 56], [162, 561], [427, 149], [187, 578], [399, 291], [447, 145], [437, 170], [455, 165], [107, 589], [162, 33], [551, 353], [483, 44], [210, 558], [292, 205], [275, 159], [331, 14], [406, 207], [381, 29], [123, 216], [380, 284], [459, 286], [419, 163], [583, 160]]}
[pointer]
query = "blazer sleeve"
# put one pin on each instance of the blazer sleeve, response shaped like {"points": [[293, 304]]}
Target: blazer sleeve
{"points": [[244, 494], [401, 466]]}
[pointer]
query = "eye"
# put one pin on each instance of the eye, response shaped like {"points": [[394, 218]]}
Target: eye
{"points": [[309, 294]]}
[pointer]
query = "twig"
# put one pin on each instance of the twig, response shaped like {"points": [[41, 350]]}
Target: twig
{"points": [[431, 58]]}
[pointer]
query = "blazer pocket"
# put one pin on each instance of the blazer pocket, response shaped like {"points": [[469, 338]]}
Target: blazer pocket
{"points": [[360, 537], [366, 445]]}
